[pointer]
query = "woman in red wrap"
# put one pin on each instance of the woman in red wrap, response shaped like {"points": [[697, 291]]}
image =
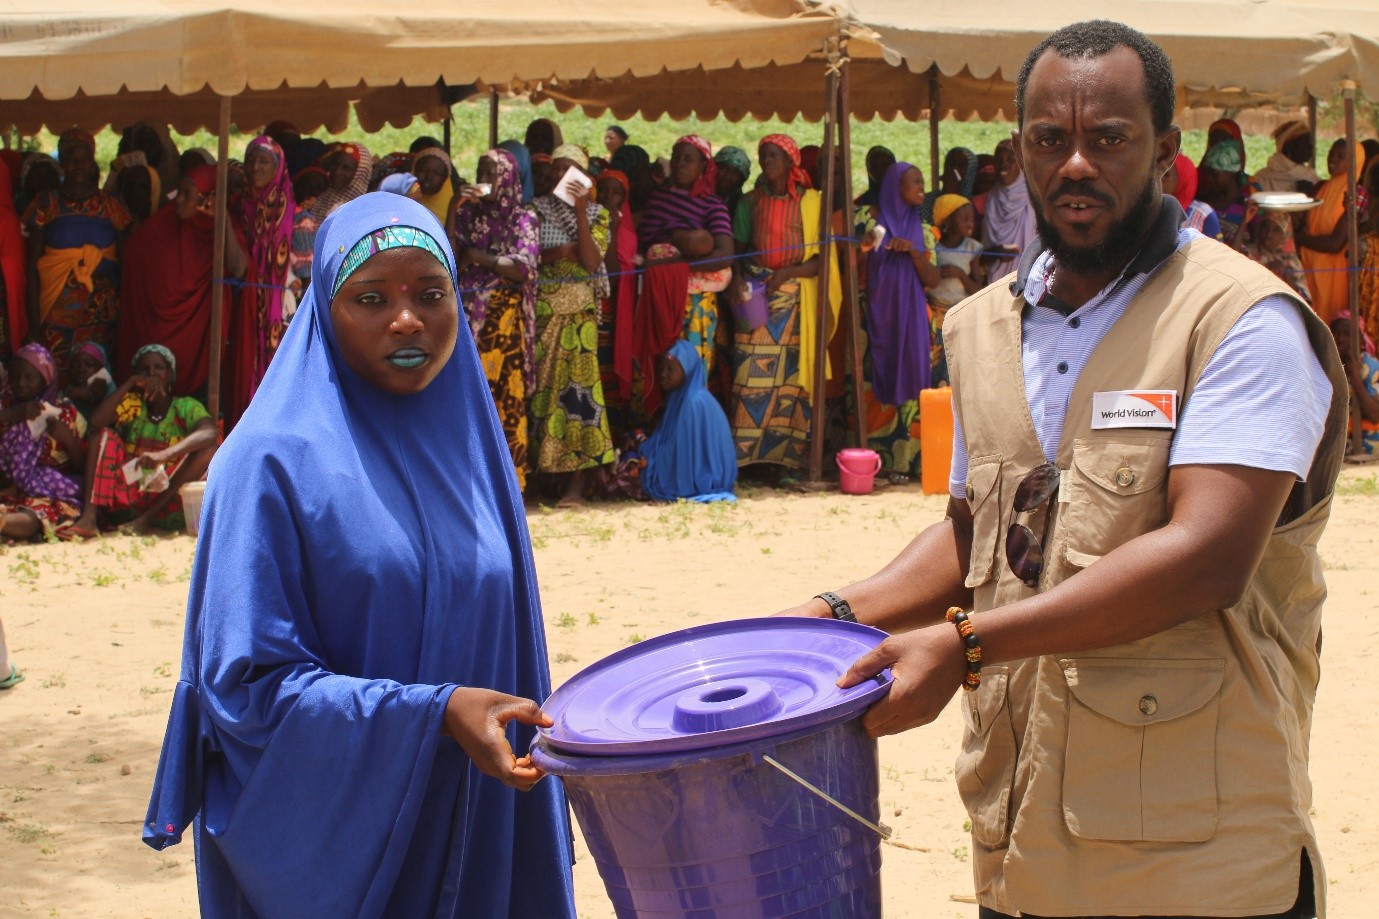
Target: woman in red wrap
{"points": [[166, 292], [14, 279]]}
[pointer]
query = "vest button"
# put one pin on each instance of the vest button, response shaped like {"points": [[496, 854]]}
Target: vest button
{"points": [[1062, 366], [1148, 705], [970, 494], [1125, 476]]}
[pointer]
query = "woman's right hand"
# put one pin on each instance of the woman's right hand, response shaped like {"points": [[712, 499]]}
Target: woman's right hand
{"points": [[477, 720], [150, 387]]}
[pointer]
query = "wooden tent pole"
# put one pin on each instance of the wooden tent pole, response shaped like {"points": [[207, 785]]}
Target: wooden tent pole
{"points": [[850, 256], [934, 114], [1352, 219], [1312, 125], [222, 172], [818, 400]]}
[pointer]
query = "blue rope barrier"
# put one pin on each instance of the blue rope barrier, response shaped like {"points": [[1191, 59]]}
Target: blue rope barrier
{"points": [[851, 240]]}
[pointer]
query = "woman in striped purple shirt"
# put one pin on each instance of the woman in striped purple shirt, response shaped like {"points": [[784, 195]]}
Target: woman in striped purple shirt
{"points": [[686, 236]]}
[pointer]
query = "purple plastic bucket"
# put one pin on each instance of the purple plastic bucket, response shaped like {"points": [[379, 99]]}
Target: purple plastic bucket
{"points": [[755, 311], [690, 815]]}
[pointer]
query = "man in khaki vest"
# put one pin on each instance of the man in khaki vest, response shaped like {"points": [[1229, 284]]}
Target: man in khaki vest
{"points": [[1148, 432]]}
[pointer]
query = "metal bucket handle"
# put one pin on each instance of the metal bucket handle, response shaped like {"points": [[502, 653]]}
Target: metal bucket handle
{"points": [[879, 829]]}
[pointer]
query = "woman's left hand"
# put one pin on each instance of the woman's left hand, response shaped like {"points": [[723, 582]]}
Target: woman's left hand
{"points": [[900, 244], [775, 279]]}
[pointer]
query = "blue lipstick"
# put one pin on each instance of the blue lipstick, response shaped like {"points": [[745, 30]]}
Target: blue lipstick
{"points": [[407, 358]]}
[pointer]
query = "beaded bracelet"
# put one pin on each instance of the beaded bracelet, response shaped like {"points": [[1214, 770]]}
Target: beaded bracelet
{"points": [[972, 646]]}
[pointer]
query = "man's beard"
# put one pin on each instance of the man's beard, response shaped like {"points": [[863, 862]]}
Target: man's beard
{"points": [[1122, 240]]}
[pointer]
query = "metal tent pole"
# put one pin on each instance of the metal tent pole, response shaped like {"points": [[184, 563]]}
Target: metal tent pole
{"points": [[222, 172]]}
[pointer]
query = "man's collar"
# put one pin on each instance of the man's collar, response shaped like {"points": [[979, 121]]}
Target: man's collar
{"points": [[1159, 245]]}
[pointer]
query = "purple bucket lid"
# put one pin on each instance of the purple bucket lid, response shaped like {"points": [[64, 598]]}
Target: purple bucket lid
{"points": [[712, 685]]}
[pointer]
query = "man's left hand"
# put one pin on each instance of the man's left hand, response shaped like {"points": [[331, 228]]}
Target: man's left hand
{"points": [[927, 666]]}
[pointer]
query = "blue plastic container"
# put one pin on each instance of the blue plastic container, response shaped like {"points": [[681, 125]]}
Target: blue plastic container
{"points": [[692, 829]]}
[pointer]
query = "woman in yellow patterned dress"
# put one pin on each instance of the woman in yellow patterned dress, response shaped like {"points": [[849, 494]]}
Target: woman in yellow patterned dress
{"points": [[497, 246], [568, 414]]}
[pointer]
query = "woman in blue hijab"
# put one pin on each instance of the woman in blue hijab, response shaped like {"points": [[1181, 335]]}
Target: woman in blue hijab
{"points": [[523, 157], [363, 629], [690, 455]]}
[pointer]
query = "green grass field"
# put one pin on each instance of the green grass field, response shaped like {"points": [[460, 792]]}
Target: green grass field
{"points": [[469, 137]]}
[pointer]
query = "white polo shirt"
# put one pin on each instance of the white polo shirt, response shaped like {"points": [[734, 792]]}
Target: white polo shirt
{"points": [[1262, 399]]}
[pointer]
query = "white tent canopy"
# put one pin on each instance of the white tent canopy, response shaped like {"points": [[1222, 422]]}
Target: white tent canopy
{"points": [[185, 47], [308, 109], [1268, 46]]}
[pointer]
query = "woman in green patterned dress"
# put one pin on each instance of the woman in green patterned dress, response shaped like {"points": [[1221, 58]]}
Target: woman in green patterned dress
{"points": [[568, 415]]}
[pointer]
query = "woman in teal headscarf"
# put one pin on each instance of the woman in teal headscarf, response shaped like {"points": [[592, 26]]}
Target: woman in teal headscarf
{"points": [[1221, 184], [344, 728], [734, 169], [958, 178]]}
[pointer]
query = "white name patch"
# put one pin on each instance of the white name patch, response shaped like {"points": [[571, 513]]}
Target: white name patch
{"points": [[1145, 408]]}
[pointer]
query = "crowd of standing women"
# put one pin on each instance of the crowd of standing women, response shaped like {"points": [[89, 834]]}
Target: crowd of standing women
{"points": [[646, 324]]}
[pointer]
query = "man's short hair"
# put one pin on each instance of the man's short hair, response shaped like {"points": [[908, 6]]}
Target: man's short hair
{"points": [[1096, 38]]}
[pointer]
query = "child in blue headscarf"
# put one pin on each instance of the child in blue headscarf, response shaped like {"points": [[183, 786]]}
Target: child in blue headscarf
{"points": [[691, 455], [364, 632]]}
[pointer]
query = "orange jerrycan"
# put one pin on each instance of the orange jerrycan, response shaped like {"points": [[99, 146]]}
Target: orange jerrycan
{"points": [[935, 439]]}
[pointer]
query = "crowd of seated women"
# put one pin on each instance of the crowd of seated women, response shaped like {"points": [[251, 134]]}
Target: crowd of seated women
{"points": [[605, 294]]}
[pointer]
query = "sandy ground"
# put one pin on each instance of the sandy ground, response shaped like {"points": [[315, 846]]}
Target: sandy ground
{"points": [[98, 629]]}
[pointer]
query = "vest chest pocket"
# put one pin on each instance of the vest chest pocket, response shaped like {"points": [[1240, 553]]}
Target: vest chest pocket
{"points": [[1141, 755], [1114, 493], [984, 498]]}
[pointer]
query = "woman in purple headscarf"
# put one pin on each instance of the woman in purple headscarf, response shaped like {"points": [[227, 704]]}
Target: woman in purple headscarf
{"points": [[897, 317], [897, 309]]}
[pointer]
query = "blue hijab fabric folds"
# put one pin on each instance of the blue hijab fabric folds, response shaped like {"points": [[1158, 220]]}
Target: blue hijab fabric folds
{"points": [[361, 556], [690, 455]]}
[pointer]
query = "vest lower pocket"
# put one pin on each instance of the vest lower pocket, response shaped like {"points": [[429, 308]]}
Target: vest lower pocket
{"points": [[984, 498], [1141, 754], [985, 769], [1114, 493]]}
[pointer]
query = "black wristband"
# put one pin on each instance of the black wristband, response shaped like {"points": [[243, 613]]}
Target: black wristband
{"points": [[840, 607]]}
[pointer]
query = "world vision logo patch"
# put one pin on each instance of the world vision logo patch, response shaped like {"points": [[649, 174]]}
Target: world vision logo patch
{"points": [[1137, 408]]}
